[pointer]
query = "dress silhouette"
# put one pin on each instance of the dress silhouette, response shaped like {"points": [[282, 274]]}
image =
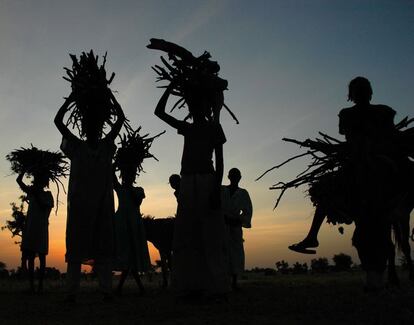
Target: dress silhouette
{"points": [[131, 244]]}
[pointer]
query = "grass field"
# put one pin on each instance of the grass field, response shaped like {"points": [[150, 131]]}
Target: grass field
{"points": [[335, 298]]}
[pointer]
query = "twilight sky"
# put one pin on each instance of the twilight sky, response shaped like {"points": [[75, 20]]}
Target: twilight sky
{"points": [[288, 64]]}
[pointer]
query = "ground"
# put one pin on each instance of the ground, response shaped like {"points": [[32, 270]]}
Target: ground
{"points": [[335, 298]]}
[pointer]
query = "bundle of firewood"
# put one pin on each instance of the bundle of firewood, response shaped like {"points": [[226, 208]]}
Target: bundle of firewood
{"points": [[44, 163], [90, 87], [33, 161], [191, 76], [133, 149], [327, 175]]}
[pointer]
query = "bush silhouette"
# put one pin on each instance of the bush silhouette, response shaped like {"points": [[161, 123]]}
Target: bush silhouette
{"points": [[342, 262], [320, 265]]}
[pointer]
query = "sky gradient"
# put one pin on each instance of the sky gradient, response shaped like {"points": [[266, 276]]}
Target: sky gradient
{"points": [[288, 64]]}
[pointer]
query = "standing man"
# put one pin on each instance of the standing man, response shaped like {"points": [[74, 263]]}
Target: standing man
{"points": [[237, 210]]}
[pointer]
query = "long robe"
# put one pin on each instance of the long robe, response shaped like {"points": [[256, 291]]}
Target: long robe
{"points": [[238, 210], [199, 244], [89, 226]]}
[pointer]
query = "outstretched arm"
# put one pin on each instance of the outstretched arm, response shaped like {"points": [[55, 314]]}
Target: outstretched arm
{"points": [[63, 129], [116, 128], [160, 109]]}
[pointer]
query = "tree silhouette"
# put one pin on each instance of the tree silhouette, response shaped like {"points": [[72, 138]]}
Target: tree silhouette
{"points": [[16, 224], [320, 265], [342, 262], [282, 267], [298, 268]]}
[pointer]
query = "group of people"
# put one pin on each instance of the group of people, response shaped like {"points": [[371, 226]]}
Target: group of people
{"points": [[208, 252]]}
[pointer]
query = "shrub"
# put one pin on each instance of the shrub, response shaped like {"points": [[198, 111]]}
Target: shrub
{"points": [[282, 267], [320, 265], [342, 262], [299, 268]]}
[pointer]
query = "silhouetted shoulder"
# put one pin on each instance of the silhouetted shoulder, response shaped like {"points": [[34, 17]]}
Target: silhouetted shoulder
{"points": [[385, 110], [183, 127], [346, 115], [360, 119], [70, 145], [211, 131], [244, 191], [139, 191]]}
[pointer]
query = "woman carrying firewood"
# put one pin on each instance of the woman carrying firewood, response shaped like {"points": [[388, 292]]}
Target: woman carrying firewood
{"points": [[199, 246], [89, 229], [42, 166], [371, 179], [131, 249]]}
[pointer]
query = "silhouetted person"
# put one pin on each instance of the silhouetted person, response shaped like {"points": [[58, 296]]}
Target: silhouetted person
{"points": [[237, 210], [35, 235], [89, 228], [199, 260], [131, 245], [175, 182], [369, 131]]}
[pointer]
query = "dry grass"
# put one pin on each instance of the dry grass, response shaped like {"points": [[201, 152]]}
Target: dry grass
{"points": [[282, 299]]}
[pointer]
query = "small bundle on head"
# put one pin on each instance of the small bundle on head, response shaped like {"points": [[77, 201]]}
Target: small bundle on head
{"points": [[133, 149], [195, 79], [35, 162], [92, 106], [43, 164]]}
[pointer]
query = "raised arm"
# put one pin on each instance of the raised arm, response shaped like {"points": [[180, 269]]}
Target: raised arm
{"points": [[116, 128], [160, 109], [63, 129], [22, 185]]}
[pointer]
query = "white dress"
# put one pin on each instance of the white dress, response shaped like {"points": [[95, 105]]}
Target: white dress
{"points": [[89, 226], [238, 209]]}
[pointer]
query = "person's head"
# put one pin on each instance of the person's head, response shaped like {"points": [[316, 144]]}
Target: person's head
{"points": [[198, 104], [92, 128], [360, 90], [234, 176], [128, 174], [175, 181], [96, 108], [40, 181]]}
